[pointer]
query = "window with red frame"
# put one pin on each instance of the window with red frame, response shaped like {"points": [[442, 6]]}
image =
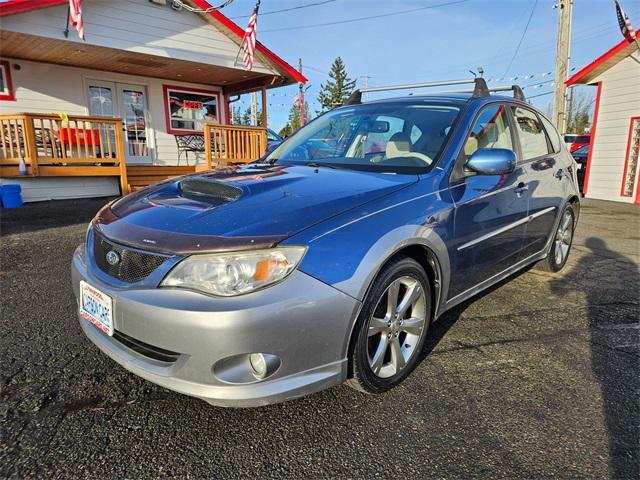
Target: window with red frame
{"points": [[631, 162], [6, 86], [189, 109]]}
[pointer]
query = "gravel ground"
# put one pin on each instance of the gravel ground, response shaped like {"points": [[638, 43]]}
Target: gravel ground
{"points": [[538, 378]]}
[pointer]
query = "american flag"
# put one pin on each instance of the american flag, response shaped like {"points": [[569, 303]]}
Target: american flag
{"points": [[249, 40], [625, 24], [75, 16]]}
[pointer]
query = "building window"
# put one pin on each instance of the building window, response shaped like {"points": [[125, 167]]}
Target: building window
{"points": [[6, 86], [188, 109], [631, 162]]}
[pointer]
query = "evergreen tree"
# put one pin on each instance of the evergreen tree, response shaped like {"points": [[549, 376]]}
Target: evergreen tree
{"points": [[246, 117], [337, 89], [293, 123]]}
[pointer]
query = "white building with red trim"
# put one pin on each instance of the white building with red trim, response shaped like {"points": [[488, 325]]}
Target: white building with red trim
{"points": [[164, 71], [613, 166]]}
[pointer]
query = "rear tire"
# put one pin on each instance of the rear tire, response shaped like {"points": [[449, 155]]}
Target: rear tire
{"points": [[561, 243], [391, 327]]}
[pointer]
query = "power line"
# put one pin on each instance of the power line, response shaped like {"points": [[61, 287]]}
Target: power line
{"points": [[515, 54], [360, 19], [317, 70], [299, 7], [540, 95]]}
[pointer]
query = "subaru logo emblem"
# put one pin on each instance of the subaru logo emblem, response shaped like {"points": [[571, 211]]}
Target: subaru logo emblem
{"points": [[112, 257]]}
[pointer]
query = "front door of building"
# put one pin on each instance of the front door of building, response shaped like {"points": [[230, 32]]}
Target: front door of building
{"points": [[130, 102]]}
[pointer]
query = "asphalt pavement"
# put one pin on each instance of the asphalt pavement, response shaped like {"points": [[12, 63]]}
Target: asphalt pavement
{"points": [[539, 377]]}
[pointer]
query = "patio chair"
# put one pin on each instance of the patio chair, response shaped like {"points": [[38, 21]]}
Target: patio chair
{"points": [[186, 143], [14, 134]]}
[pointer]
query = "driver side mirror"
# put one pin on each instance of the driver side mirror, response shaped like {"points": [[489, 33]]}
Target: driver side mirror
{"points": [[492, 161]]}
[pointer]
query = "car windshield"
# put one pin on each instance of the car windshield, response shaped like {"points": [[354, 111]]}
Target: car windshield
{"points": [[386, 137], [582, 139]]}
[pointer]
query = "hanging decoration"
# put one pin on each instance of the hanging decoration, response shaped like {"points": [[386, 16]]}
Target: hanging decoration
{"points": [[75, 17], [249, 39]]}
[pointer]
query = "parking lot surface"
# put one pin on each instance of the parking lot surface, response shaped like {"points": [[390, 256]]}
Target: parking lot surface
{"points": [[538, 377]]}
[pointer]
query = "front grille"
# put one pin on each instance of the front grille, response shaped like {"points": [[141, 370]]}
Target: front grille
{"points": [[145, 349], [132, 265]]}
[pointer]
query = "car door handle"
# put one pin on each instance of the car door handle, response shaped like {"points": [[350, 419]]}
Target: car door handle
{"points": [[559, 173], [521, 188]]}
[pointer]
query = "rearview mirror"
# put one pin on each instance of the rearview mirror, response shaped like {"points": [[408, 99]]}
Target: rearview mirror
{"points": [[378, 126], [492, 161]]}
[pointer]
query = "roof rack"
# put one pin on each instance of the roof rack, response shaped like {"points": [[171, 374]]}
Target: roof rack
{"points": [[480, 89]]}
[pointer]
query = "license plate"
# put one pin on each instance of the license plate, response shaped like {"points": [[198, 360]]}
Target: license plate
{"points": [[96, 307]]}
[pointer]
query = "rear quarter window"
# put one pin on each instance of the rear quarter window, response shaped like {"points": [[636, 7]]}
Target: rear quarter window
{"points": [[554, 137]]}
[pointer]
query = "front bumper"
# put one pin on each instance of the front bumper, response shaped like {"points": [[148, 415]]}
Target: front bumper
{"points": [[304, 322]]}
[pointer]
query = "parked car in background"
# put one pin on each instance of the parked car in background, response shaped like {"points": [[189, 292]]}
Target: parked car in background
{"points": [[320, 265], [581, 156], [273, 140], [575, 141]]}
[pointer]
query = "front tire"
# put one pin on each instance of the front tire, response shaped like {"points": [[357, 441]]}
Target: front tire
{"points": [[561, 244], [392, 326]]}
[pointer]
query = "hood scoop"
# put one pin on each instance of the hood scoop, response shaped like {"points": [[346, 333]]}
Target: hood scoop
{"points": [[209, 190]]}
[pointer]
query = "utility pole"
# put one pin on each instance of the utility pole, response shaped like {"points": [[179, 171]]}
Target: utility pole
{"points": [[254, 108], [562, 63], [301, 95]]}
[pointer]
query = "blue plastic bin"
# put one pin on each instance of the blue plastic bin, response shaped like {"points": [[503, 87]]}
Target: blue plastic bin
{"points": [[11, 197]]}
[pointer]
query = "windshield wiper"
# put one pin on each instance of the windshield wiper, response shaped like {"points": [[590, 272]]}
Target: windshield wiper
{"points": [[318, 164]]}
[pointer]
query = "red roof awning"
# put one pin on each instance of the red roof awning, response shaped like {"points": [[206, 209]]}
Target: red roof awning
{"points": [[603, 63]]}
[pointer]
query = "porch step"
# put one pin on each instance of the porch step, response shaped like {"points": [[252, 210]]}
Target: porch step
{"points": [[141, 176]]}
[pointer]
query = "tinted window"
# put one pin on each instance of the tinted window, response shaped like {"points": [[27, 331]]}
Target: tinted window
{"points": [[552, 133], [582, 139], [533, 140], [569, 138], [490, 130]]}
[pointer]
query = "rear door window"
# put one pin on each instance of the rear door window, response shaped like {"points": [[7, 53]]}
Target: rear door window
{"points": [[533, 141]]}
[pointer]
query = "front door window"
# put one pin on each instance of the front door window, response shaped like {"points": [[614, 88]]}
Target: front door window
{"points": [[135, 124], [100, 101], [129, 102]]}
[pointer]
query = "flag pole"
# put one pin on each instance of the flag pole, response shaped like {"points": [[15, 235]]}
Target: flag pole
{"points": [[66, 30]]}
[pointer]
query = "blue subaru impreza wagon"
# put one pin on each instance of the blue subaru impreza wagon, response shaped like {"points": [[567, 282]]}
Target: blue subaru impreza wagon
{"points": [[328, 260]]}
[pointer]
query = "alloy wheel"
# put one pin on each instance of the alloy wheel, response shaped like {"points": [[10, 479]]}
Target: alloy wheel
{"points": [[563, 239], [395, 328]]}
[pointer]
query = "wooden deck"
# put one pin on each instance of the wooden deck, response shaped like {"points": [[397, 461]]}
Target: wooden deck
{"points": [[50, 145], [141, 176], [58, 145]]}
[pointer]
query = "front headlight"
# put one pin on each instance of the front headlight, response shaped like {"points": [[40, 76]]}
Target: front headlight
{"points": [[228, 274]]}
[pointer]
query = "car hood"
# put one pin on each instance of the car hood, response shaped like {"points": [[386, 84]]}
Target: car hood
{"points": [[244, 207]]}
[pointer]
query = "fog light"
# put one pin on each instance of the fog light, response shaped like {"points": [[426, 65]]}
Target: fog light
{"points": [[258, 364]]}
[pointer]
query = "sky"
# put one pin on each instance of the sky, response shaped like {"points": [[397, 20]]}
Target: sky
{"points": [[439, 43]]}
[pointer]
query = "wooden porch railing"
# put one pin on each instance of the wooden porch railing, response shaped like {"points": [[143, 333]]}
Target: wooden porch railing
{"points": [[61, 145], [228, 144]]}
